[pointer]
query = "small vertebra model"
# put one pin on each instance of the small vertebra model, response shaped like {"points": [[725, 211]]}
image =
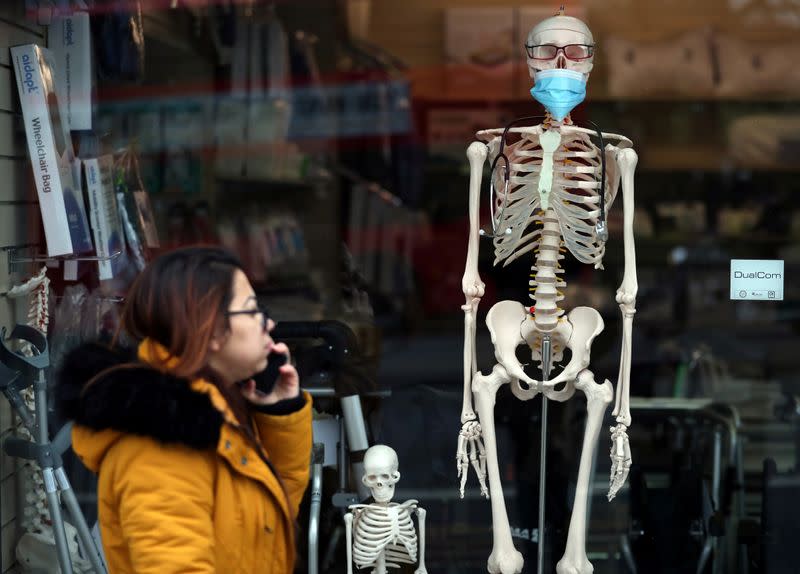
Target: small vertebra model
{"points": [[381, 535]]}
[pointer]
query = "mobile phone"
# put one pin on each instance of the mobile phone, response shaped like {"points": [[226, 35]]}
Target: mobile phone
{"points": [[266, 379]]}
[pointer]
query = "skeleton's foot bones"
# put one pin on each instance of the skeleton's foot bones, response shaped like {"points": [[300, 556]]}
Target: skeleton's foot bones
{"points": [[620, 459]]}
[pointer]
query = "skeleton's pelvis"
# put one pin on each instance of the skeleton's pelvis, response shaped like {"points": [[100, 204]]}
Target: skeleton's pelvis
{"points": [[511, 326]]}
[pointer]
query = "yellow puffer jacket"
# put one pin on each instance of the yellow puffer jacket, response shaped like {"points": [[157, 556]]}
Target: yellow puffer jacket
{"points": [[180, 489]]}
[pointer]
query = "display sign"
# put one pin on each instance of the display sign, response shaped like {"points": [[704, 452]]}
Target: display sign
{"points": [[757, 279], [66, 227]]}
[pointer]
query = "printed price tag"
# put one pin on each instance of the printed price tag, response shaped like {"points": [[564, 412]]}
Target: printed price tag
{"points": [[70, 270]]}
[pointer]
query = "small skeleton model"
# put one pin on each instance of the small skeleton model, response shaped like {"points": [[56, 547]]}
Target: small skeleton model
{"points": [[550, 189], [381, 535]]}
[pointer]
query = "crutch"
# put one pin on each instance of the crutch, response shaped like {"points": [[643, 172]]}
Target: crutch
{"points": [[20, 372]]}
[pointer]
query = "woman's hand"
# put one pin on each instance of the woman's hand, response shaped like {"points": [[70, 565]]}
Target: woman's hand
{"points": [[286, 387]]}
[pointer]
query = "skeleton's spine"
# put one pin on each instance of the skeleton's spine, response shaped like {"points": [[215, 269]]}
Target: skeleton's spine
{"points": [[545, 282]]}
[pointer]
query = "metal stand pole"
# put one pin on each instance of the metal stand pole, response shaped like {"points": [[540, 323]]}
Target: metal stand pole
{"points": [[356, 438], [711, 546], [546, 357], [717, 566], [317, 459]]}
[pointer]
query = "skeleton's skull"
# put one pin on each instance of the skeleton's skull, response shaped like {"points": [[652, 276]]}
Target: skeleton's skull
{"points": [[561, 31], [380, 472]]}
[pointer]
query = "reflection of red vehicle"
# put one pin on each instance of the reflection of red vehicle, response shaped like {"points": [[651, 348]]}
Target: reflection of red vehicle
{"points": [[437, 261], [439, 266]]}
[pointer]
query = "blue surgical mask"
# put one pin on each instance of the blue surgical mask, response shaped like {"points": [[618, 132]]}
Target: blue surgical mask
{"points": [[559, 91]]}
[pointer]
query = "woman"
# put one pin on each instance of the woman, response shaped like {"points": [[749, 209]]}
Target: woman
{"points": [[198, 471]]}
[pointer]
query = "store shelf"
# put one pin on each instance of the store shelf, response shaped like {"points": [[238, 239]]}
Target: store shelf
{"points": [[600, 97], [700, 158], [252, 185], [428, 95]]}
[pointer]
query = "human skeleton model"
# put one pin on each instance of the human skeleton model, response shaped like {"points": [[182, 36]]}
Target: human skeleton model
{"points": [[549, 199], [381, 535]]}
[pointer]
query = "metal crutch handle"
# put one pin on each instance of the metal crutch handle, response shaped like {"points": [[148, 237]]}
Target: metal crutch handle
{"points": [[31, 335]]}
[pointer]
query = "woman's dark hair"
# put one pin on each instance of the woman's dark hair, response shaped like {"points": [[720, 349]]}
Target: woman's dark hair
{"points": [[179, 301]]}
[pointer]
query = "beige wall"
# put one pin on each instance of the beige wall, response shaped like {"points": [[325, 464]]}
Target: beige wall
{"points": [[17, 210], [414, 30]]}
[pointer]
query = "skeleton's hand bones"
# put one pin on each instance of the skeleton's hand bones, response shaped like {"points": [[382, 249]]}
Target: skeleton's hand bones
{"points": [[620, 459], [471, 450]]}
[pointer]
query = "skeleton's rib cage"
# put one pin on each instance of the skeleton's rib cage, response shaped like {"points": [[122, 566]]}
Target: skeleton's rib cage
{"points": [[549, 224], [575, 196], [388, 529]]}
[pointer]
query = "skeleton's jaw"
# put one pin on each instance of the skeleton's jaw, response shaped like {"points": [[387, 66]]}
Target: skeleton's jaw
{"points": [[383, 494]]}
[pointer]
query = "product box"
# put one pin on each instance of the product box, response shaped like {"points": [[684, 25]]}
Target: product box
{"points": [[106, 222], [147, 221], [69, 39], [480, 53], [50, 147]]}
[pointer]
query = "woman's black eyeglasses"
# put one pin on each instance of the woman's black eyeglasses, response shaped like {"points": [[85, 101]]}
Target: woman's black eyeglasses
{"points": [[263, 311]]}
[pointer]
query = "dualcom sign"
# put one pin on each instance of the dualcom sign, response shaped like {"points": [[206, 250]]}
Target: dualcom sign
{"points": [[757, 279]]}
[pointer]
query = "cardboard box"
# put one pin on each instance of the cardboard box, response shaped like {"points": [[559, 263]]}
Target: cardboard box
{"points": [[50, 147], [147, 221], [106, 223], [69, 39], [479, 53]]}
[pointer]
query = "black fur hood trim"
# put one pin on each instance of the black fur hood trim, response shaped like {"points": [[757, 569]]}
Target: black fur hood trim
{"points": [[135, 398]]}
